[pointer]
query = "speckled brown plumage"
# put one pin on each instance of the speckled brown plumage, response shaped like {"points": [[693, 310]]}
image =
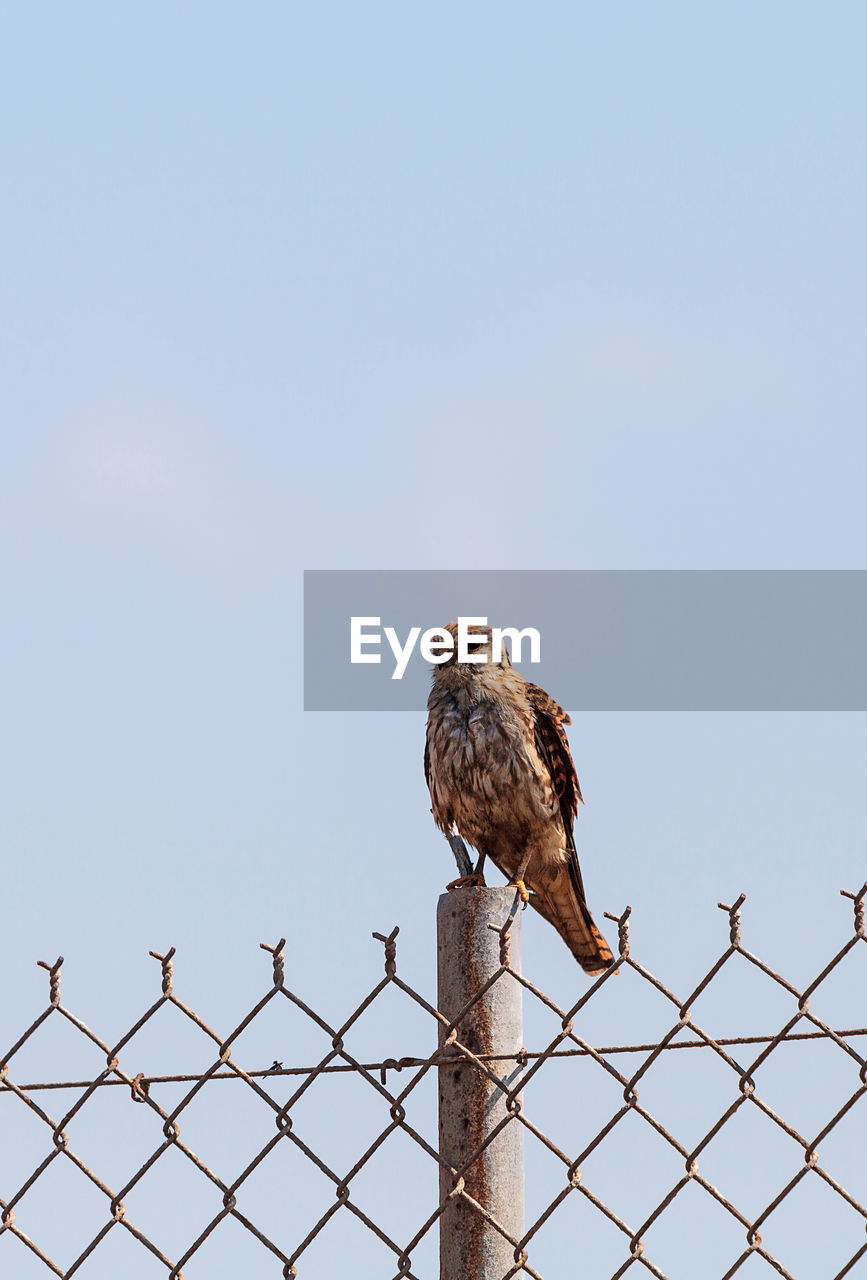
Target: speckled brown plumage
{"points": [[500, 773]]}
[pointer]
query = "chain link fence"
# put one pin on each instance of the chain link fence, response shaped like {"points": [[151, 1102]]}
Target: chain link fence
{"points": [[390, 1118]]}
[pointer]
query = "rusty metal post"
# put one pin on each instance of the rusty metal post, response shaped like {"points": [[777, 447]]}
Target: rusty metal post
{"points": [[470, 1104]]}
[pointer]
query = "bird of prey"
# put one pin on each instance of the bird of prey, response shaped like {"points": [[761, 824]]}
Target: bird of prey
{"points": [[500, 773]]}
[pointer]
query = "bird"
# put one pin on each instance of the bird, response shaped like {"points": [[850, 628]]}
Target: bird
{"points": [[501, 776]]}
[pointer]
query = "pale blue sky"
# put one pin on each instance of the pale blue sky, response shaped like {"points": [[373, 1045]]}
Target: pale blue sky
{"points": [[381, 287]]}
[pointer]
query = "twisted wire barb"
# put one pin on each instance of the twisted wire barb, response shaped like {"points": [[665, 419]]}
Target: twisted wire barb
{"points": [[54, 979]]}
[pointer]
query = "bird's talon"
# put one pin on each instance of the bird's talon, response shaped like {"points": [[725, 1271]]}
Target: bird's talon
{"points": [[475, 880], [522, 890]]}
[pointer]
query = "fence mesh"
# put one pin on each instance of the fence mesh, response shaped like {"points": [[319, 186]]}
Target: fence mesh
{"points": [[393, 1086]]}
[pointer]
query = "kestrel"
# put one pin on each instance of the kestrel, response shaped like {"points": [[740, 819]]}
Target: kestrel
{"points": [[500, 773]]}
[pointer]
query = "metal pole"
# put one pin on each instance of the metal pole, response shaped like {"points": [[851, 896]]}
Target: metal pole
{"points": [[470, 1104]]}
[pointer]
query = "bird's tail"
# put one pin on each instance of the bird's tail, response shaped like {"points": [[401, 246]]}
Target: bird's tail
{"points": [[563, 905]]}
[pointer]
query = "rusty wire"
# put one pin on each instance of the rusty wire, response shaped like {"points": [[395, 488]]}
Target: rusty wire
{"points": [[567, 1043]]}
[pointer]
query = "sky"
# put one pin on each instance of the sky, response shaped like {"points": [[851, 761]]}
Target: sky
{"points": [[571, 287]]}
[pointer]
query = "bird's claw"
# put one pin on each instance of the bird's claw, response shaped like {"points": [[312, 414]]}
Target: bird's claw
{"points": [[522, 890], [475, 880]]}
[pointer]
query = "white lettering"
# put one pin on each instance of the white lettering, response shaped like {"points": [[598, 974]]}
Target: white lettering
{"points": [[515, 637], [465, 638], [357, 638], [437, 646], [401, 654]]}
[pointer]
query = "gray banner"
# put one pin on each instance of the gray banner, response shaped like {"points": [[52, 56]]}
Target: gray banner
{"points": [[648, 640]]}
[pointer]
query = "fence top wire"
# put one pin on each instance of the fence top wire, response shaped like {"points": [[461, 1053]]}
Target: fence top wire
{"points": [[383, 1078]]}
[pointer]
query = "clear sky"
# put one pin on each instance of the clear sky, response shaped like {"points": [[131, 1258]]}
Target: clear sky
{"points": [[486, 286]]}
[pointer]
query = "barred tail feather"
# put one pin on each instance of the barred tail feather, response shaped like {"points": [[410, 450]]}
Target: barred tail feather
{"points": [[562, 907]]}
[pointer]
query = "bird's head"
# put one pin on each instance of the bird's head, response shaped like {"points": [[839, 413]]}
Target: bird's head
{"points": [[479, 647]]}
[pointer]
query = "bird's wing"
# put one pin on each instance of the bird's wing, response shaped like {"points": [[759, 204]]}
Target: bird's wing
{"points": [[549, 727]]}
